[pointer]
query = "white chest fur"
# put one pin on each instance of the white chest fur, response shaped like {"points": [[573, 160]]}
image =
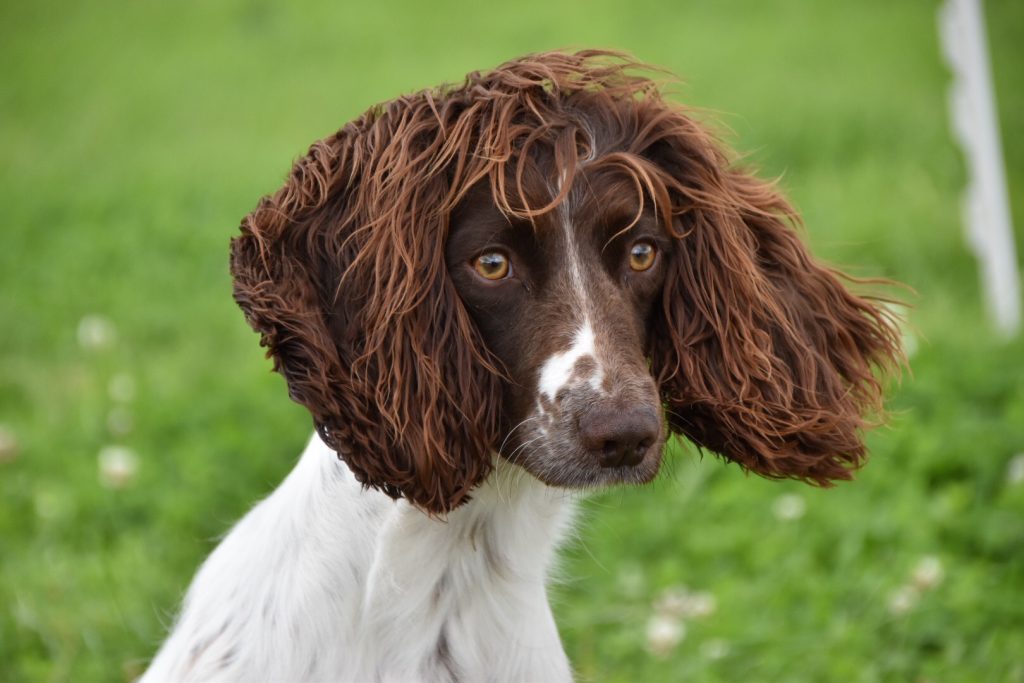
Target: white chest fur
{"points": [[326, 581]]}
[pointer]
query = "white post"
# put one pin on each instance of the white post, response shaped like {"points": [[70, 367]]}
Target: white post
{"points": [[976, 126]]}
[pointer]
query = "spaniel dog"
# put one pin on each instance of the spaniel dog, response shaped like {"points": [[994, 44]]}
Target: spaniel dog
{"points": [[489, 296]]}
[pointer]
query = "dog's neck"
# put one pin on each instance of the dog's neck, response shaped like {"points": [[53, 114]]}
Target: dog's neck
{"points": [[477, 577], [512, 524]]}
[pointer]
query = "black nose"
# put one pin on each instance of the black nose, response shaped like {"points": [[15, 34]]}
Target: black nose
{"points": [[619, 437]]}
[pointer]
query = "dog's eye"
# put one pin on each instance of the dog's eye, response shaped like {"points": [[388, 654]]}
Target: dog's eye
{"points": [[493, 265], [641, 256]]}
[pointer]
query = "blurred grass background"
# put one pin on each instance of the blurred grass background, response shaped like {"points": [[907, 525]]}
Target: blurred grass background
{"points": [[134, 136]]}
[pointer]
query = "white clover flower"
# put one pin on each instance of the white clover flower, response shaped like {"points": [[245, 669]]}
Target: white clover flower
{"points": [[672, 601], [680, 603], [715, 649], [664, 633], [928, 573], [901, 318], [96, 332], [700, 604], [789, 507], [118, 466], [8, 445], [910, 345], [121, 387], [902, 600], [1015, 469]]}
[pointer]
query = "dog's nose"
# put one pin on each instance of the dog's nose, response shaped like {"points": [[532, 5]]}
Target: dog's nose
{"points": [[619, 437]]}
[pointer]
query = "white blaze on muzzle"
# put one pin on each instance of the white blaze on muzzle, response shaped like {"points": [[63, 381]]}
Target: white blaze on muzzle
{"points": [[557, 371]]}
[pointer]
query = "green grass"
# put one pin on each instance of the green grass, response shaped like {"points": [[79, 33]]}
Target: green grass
{"points": [[135, 135]]}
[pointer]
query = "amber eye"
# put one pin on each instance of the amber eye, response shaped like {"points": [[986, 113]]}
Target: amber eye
{"points": [[493, 265], [641, 256]]}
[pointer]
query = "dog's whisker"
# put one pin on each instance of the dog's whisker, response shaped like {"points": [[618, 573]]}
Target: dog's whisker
{"points": [[525, 421]]}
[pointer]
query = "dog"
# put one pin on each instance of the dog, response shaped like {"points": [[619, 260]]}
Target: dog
{"points": [[489, 296]]}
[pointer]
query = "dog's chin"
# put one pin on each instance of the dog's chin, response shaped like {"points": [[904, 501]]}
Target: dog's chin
{"points": [[577, 469]]}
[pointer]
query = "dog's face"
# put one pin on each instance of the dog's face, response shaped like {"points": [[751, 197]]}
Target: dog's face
{"points": [[553, 263], [565, 302]]}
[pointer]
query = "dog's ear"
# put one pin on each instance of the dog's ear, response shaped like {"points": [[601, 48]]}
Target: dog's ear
{"points": [[762, 355], [342, 272]]}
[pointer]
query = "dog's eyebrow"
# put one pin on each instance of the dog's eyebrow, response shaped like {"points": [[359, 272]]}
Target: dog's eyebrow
{"points": [[617, 211], [483, 229], [621, 221]]}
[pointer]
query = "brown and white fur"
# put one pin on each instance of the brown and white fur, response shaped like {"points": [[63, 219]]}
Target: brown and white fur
{"points": [[489, 296]]}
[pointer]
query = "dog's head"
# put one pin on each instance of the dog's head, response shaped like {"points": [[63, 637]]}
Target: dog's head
{"points": [[552, 262]]}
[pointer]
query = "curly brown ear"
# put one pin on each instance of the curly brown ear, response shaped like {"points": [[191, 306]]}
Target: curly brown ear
{"points": [[762, 355], [342, 272]]}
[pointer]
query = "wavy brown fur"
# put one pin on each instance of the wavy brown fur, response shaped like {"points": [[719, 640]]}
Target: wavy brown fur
{"points": [[761, 354]]}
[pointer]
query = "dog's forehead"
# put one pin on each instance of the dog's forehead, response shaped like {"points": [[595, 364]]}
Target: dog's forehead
{"points": [[596, 198], [603, 197]]}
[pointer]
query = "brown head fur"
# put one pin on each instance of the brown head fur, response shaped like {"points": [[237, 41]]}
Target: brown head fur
{"points": [[761, 354]]}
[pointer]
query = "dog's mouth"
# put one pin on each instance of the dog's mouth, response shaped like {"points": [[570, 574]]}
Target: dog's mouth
{"points": [[570, 468], [597, 447]]}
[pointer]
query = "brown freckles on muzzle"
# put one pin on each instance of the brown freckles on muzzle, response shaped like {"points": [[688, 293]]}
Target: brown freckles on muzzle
{"points": [[597, 417]]}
